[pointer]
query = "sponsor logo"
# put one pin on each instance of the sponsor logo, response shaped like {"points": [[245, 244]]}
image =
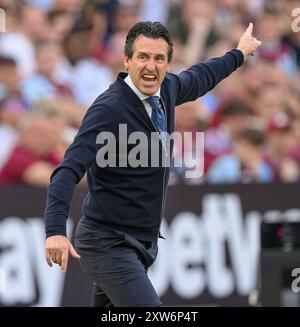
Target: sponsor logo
{"points": [[215, 253], [28, 281]]}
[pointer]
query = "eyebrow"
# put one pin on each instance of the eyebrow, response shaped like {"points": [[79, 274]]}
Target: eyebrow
{"points": [[160, 55]]}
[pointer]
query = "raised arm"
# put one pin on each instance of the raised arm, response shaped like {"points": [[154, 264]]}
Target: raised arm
{"points": [[201, 78]]}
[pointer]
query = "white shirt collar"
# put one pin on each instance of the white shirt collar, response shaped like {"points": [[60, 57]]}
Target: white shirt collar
{"points": [[141, 95]]}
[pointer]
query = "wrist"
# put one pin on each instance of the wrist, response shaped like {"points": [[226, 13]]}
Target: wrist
{"points": [[243, 52]]}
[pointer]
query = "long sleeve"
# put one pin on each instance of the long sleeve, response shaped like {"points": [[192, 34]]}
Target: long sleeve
{"points": [[201, 78], [78, 158], [60, 193]]}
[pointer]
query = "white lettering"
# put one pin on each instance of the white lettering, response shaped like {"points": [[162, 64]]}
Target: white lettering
{"points": [[296, 22], [16, 261], [187, 278], [220, 278]]}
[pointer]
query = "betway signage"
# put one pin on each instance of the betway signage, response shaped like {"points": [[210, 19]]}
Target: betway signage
{"points": [[210, 255]]}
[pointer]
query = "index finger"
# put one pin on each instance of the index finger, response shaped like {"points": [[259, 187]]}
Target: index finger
{"points": [[48, 258], [64, 260], [249, 29]]}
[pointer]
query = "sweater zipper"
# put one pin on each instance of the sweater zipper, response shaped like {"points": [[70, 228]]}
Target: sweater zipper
{"points": [[165, 169]]}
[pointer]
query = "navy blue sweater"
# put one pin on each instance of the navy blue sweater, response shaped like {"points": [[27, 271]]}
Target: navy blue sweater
{"points": [[126, 199]]}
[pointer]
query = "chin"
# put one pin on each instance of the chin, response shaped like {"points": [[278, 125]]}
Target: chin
{"points": [[149, 91]]}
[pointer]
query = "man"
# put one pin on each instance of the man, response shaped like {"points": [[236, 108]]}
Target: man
{"points": [[117, 235]]}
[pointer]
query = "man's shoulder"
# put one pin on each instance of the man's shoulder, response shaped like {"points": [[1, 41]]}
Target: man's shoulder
{"points": [[169, 81], [111, 95]]}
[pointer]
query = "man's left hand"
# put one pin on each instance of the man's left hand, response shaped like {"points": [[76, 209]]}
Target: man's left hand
{"points": [[247, 43]]}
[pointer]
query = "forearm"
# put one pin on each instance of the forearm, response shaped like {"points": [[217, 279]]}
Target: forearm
{"points": [[60, 193], [202, 77]]}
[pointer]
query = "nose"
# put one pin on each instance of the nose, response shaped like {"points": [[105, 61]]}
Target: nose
{"points": [[150, 65]]}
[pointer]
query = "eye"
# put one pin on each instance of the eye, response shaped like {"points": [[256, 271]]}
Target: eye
{"points": [[142, 57], [160, 59]]}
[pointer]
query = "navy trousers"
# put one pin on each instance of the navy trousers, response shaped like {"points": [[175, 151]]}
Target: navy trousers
{"points": [[117, 263]]}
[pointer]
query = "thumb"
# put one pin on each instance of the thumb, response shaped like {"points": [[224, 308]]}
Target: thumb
{"points": [[73, 252]]}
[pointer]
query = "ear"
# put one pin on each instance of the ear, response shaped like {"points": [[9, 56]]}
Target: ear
{"points": [[168, 68], [126, 59]]}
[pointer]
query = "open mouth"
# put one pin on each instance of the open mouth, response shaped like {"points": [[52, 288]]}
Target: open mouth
{"points": [[149, 78]]}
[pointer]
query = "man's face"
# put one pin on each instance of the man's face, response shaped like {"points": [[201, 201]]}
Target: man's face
{"points": [[149, 63]]}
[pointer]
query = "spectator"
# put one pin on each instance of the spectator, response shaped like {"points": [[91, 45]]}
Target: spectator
{"points": [[61, 22], [269, 101], [10, 94], [252, 80], [245, 164], [115, 56], [184, 17], [9, 77], [125, 16], [12, 107], [41, 85], [271, 32], [280, 142], [9, 135], [234, 116], [85, 75], [99, 32], [37, 154], [188, 147], [19, 44]]}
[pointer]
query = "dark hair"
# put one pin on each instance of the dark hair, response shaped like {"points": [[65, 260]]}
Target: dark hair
{"points": [[154, 30], [7, 61], [81, 24], [235, 107], [56, 13], [252, 136]]}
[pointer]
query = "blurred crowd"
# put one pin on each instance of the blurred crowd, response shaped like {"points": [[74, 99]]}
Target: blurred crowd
{"points": [[57, 56]]}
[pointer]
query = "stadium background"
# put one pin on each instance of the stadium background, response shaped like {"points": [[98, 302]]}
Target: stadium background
{"points": [[56, 56]]}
